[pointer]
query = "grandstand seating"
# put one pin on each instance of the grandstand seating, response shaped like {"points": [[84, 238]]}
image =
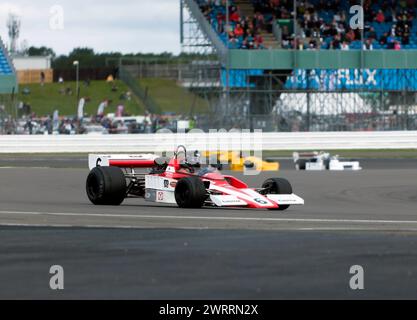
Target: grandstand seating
{"points": [[249, 38], [324, 24], [8, 79], [5, 67]]}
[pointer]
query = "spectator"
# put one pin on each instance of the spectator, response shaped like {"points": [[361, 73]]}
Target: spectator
{"points": [[390, 42], [42, 78], [406, 35], [380, 17], [239, 32], [80, 111], [384, 39], [29, 126], [259, 20], [344, 46], [372, 34], [68, 91], [26, 91], [234, 15], [350, 36], [312, 45], [66, 127], [103, 105], [120, 110], [368, 45], [259, 41]]}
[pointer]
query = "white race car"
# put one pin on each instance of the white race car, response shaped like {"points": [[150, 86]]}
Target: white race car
{"points": [[318, 161]]}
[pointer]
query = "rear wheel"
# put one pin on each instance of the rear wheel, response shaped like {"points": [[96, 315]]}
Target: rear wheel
{"points": [[278, 186], [300, 164], [327, 164], [106, 186], [190, 192]]}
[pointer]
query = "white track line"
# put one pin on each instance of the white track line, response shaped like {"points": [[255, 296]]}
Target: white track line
{"points": [[94, 226], [260, 219], [89, 226]]}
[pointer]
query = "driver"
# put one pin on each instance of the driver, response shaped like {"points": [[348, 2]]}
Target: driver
{"points": [[195, 160], [190, 163], [207, 170]]}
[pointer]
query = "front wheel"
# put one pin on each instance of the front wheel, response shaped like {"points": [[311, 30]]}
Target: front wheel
{"points": [[106, 186], [190, 192], [278, 186]]}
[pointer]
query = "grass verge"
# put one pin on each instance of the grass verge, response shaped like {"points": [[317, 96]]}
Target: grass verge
{"points": [[45, 100]]}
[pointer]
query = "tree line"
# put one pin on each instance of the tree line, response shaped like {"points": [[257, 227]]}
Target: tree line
{"points": [[88, 57]]}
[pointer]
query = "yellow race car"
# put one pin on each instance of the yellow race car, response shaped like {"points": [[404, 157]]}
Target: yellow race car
{"points": [[237, 163]]}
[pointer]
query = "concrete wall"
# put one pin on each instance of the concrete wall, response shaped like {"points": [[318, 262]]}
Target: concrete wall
{"points": [[202, 141]]}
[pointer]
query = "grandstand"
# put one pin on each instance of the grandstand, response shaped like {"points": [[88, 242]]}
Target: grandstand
{"points": [[8, 88], [8, 82], [319, 24], [305, 69]]}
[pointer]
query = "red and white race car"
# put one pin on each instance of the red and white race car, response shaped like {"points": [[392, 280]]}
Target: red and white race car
{"points": [[180, 181]]}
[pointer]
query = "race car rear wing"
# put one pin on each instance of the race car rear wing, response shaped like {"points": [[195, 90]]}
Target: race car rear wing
{"points": [[122, 160], [304, 155]]}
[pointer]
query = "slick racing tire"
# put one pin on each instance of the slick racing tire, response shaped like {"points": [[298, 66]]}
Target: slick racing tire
{"points": [[106, 186], [278, 186], [301, 164], [190, 192]]}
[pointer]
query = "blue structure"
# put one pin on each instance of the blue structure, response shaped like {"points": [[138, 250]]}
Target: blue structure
{"points": [[5, 68], [336, 79], [8, 79], [353, 79], [239, 78]]}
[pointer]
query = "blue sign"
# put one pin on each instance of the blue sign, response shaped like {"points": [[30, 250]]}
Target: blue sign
{"points": [[353, 79], [334, 79]]}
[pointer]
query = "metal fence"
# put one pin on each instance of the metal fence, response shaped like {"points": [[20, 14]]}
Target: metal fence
{"points": [[346, 111], [284, 102], [8, 113], [305, 90], [138, 90]]}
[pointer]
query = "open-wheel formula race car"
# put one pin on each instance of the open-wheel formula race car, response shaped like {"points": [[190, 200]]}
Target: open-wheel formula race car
{"points": [[237, 162], [320, 161], [181, 181]]}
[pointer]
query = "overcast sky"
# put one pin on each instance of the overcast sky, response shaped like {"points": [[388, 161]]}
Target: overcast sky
{"points": [[105, 25]]}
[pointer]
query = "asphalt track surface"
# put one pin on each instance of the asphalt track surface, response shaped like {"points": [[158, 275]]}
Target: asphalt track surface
{"points": [[147, 251]]}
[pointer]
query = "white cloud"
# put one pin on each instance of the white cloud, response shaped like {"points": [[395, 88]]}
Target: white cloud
{"points": [[126, 26]]}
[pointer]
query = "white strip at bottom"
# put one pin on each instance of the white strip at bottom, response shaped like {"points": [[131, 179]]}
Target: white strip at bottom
{"points": [[214, 218]]}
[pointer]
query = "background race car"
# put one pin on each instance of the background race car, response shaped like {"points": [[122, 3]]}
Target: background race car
{"points": [[317, 161], [236, 162]]}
